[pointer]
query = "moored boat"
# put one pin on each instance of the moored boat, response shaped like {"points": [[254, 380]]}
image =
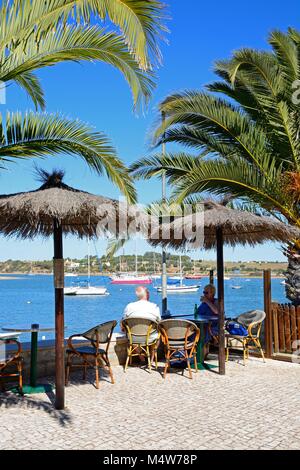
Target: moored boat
{"points": [[179, 289], [84, 288], [193, 276], [126, 278]]}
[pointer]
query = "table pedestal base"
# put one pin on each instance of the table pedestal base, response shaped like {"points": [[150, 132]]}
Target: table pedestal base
{"points": [[30, 390], [204, 366]]}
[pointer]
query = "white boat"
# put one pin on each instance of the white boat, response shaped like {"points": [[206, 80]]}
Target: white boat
{"points": [[236, 287], [154, 277], [226, 278], [179, 289], [70, 290], [70, 275], [127, 278], [84, 287], [283, 283]]}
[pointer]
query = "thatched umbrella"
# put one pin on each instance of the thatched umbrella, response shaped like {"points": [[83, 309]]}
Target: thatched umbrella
{"points": [[57, 209], [213, 227]]}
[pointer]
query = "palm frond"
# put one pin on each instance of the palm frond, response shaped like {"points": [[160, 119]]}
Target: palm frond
{"points": [[173, 165], [114, 245], [39, 135], [31, 84], [238, 179], [213, 120], [141, 22], [76, 43], [267, 78]]}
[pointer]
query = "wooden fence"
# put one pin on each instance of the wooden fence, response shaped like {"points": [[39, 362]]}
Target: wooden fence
{"points": [[285, 328], [281, 326]]}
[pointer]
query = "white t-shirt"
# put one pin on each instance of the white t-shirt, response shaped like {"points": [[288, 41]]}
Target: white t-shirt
{"points": [[142, 309]]}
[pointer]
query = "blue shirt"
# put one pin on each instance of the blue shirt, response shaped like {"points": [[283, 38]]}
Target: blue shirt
{"points": [[204, 310]]}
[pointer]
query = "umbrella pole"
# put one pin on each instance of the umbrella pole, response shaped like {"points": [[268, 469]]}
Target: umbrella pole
{"points": [[220, 272], [58, 272]]}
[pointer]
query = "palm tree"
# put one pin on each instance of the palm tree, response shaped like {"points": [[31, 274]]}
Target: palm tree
{"points": [[35, 34], [246, 141]]}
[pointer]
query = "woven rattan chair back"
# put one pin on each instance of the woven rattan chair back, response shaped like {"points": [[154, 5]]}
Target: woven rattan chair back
{"points": [[139, 330], [177, 332], [101, 333], [251, 317]]}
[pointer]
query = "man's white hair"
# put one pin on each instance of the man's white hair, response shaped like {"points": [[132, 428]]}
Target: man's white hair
{"points": [[141, 292]]}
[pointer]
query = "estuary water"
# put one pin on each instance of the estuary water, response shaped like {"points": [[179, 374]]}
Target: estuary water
{"points": [[27, 299]]}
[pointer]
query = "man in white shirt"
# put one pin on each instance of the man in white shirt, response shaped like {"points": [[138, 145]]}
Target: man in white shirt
{"points": [[142, 308]]}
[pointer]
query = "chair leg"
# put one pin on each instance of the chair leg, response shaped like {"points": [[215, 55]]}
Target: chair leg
{"points": [[97, 374], [260, 349], [189, 367], [149, 359], [227, 350], [67, 371], [167, 363], [195, 361], [155, 358], [244, 353], [111, 374], [106, 360], [20, 378], [127, 359]]}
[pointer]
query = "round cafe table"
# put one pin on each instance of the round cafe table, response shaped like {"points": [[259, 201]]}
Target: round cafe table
{"points": [[34, 329]]}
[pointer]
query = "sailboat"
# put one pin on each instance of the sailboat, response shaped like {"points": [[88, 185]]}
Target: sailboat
{"points": [[131, 278], [155, 276], [84, 287], [179, 288]]}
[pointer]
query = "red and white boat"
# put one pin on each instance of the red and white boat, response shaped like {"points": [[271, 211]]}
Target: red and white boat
{"points": [[193, 276], [127, 278]]}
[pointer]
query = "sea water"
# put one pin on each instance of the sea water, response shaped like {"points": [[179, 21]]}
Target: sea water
{"points": [[28, 299]]}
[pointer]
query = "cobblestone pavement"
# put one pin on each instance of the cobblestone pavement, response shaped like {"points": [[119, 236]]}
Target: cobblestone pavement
{"points": [[252, 407]]}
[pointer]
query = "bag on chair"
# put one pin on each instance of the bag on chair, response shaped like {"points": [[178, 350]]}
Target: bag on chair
{"points": [[236, 329]]}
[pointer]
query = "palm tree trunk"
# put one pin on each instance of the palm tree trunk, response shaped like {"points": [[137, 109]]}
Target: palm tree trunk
{"points": [[292, 286]]}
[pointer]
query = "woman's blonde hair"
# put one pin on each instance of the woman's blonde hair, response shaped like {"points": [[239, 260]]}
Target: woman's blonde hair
{"points": [[211, 287]]}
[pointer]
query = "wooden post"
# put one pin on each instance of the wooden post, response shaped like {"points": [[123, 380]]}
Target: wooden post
{"points": [[211, 276], [267, 308], [164, 279], [220, 274], [58, 273]]}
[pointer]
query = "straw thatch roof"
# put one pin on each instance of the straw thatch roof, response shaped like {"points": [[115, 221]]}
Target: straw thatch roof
{"points": [[32, 213], [239, 227]]}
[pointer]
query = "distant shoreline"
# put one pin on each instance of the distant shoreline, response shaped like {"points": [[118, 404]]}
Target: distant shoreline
{"points": [[19, 275]]}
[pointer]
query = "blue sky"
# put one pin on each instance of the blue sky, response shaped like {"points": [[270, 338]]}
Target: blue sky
{"points": [[201, 32]]}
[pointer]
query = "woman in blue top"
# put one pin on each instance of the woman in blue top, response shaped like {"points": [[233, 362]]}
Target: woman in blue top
{"points": [[208, 308]]}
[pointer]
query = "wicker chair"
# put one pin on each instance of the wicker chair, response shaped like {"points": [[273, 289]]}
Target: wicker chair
{"points": [[11, 360], [91, 355], [180, 338], [142, 335], [251, 320]]}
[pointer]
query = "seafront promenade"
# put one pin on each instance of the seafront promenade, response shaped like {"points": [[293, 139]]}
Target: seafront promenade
{"points": [[251, 407]]}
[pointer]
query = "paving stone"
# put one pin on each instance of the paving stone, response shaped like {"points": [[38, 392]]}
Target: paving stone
{"points": [[251, 407]]}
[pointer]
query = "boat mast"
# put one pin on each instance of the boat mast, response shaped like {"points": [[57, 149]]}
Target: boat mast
{"points": [[180, 270], [88, 260], [136, 259]]}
